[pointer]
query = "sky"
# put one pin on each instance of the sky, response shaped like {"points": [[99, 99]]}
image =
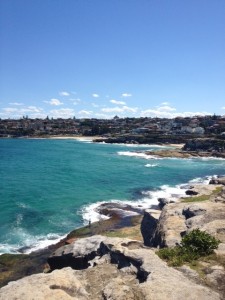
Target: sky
{"points": [[101, 58]]}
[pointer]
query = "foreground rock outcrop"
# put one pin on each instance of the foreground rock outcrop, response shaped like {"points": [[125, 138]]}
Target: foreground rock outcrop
{"points": [[119, 269], [178, 219]]}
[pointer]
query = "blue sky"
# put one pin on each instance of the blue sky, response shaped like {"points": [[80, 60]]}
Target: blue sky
{"points": [[101, 58]]}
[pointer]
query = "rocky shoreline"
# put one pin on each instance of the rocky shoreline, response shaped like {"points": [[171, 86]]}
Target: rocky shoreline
{"points": [[81, 265], [185, 154], [109, 260]]}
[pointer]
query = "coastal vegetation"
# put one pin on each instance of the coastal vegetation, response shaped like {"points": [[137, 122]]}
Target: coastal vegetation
{"points": [[203, 197], [193, 246]]}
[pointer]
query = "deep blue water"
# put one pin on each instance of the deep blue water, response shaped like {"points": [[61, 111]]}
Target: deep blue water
{"points": [[47, 186]]}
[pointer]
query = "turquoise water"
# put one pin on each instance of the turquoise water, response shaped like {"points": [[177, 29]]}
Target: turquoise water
{"points": [[47, 186]]}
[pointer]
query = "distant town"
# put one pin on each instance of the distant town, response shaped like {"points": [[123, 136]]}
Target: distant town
{"points": [[199, 126]]}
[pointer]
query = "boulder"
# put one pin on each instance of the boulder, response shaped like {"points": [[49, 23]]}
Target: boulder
{"points": [[148, 227], [191, 193], [217, 180], [170, 227], [163, 202]]}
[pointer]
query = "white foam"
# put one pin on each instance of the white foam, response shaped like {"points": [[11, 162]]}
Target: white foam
{"points": [[85, 140], [151, 165], [211, 158], [27, 243], [41, 242], [139, 145], [90, 213], [6, 248], [149, 199], [137, 154]]}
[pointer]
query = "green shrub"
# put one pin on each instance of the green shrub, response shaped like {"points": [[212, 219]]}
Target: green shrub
{"points": [[194, 245], [199, 243]]}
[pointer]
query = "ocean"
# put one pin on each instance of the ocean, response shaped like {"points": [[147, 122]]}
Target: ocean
{"points": [[49, 187]]}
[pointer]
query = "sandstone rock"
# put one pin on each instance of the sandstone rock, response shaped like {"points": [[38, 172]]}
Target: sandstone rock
{"points": [[118, 289], [137, 274], [216, 278], [180, 218], [163, 202], [217, 180], [58, 285], [190, 273], [148, 227], [170, 227], [192, 211], [76, 255], [221, 250], [216, 228]]}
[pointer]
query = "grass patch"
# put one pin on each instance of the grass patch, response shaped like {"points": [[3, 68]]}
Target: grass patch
{"points": [[217, 190], [126, 232], [196, 198], [201, 198]]}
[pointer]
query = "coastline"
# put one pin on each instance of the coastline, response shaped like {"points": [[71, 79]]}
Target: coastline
{"points": [[119, 225]]}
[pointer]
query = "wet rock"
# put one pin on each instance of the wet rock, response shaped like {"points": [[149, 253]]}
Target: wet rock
{"points": [[217, 180]]}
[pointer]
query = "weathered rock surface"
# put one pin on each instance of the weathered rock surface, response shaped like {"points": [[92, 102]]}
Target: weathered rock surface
{"points": [[217, 180], [117, 210], [205, 144], [59, 285], [148, 227], [180, 218], [134, 272]]}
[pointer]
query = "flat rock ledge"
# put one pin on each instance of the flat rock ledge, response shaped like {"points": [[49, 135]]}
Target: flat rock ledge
{"points": [[107, 268]]}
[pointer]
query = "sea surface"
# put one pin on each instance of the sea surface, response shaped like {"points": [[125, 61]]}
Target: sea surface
{"points": [[49, 187]]}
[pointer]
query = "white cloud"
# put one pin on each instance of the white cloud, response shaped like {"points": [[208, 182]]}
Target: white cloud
{"points": [[16, 103], [165, 103], [166, 108], [55, 102], [23, 110], [63, 93], [126, 95], [94, 105], [32, 109], [118, 102], [75, 101], [18, 112], [223, 107], [170, 114], [119, 109], [104, 116], [9, 109], [85, 112], [62, 113], [95, 95]]}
